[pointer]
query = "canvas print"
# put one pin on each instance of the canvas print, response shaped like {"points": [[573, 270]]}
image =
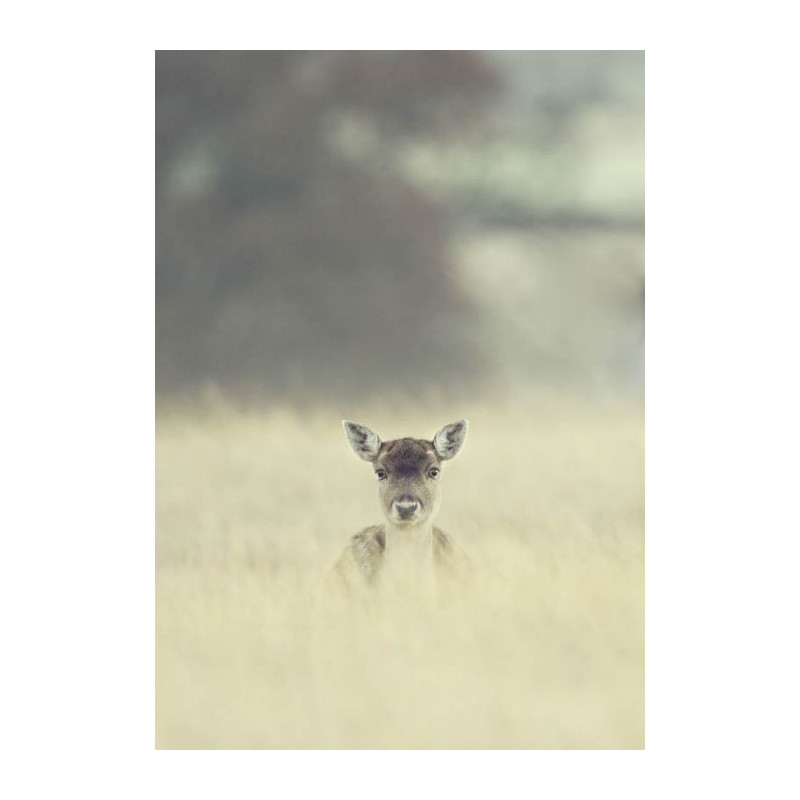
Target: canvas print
{"points": [[399, 430]]}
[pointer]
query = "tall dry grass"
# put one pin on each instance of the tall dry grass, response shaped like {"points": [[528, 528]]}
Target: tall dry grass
{"points": [[544, 649]]}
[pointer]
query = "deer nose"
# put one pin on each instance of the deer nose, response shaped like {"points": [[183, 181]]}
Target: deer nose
{"points": [[406, 508]]}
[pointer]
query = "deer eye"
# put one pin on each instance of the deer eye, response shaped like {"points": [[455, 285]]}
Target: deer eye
{"points": [[382, 474], [433, 472]]}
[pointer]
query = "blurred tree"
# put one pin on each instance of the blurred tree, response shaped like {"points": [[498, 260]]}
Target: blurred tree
{"points": [[291, 257]]}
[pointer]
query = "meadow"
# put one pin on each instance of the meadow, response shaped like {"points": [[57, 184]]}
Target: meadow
{"points": [[544, 648]]}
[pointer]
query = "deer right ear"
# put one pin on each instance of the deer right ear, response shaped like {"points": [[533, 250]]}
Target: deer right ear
{"points": [[450, 439], [364, 442]]}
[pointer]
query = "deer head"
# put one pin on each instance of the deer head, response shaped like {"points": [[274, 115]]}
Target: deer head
{"points": [[407, 469]]}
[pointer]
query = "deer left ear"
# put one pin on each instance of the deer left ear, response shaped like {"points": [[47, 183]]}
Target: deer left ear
{"points": [[365, 443], [450, 439]]}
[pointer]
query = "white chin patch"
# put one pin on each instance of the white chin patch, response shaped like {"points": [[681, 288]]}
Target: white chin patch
{"points": [[400, 520]]}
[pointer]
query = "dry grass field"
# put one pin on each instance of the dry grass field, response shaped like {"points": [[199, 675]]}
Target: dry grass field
{"points": [[543, 649]]}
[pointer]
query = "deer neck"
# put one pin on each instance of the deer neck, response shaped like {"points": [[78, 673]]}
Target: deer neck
{"points": [[411, 544], [408, 564]]}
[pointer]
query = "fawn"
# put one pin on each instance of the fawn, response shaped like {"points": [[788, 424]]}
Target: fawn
{"points": [[407, 545]]}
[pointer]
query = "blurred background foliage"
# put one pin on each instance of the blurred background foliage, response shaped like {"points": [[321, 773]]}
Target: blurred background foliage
{"points": [[354, 224]]}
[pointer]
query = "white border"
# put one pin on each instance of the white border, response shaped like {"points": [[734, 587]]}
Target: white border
{"points": [[722, 435]]}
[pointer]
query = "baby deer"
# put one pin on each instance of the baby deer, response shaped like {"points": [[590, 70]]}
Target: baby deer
{"points": [[407, 546]]}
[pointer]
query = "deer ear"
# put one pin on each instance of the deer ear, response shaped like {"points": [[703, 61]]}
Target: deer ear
{"points": [[364, 442], [450, 439]]}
